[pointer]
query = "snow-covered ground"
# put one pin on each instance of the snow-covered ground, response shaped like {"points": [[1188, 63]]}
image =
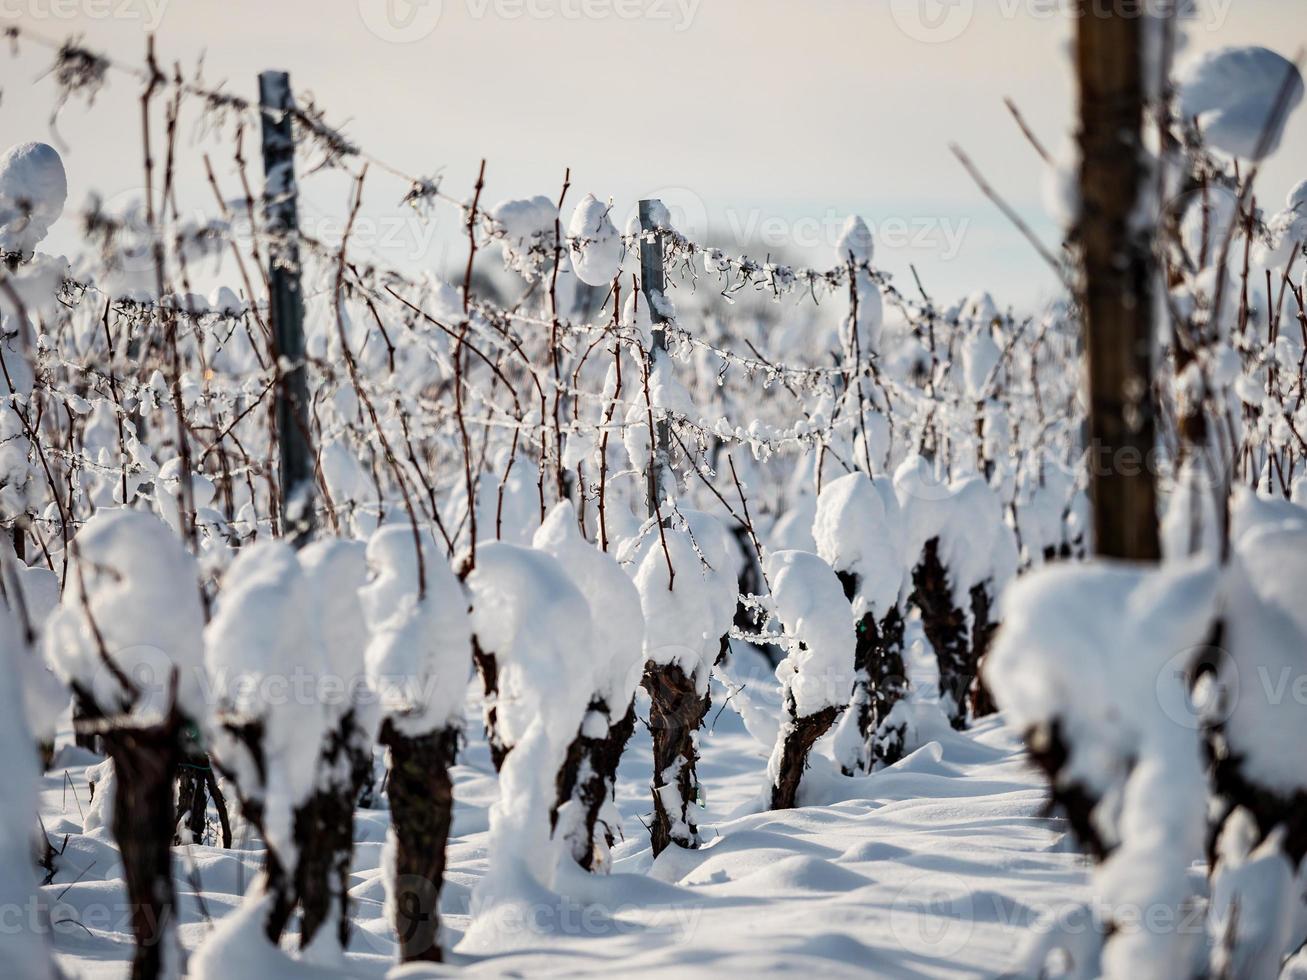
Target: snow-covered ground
{"points": [[935, 867]]}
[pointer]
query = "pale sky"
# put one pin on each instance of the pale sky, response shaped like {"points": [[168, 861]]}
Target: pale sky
{"points": [[761, 122]]}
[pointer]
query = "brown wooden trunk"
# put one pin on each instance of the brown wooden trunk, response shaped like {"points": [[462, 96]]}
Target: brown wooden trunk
{"points": [[1115, 235], [983, 629], [676, 710], [799, 735], [945, 626], [588, 776], [279, 881], [488, 668], [144, 761], [1050, 753], [324, 829], [880, 681], [421, 793]]}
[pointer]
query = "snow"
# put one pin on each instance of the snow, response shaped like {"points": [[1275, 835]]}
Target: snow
{"points": [[27, 951], [335, 571], [855, 244], [819, 625], [1047, 502], [689, 609], [1253, 902], [905, 866], [534, 621], [980, 359], [595, 245], [36, 592], [527, 230], [238, 947], [419, 656], [33, 189], [530, 616], [858, 529], [265, 659], [1285, 229], [975, 543], [855, 241], [854, 432], [1241, 97], [1266, 721], [1095, 650], [516, 519], [616, 645], [134, 585]]}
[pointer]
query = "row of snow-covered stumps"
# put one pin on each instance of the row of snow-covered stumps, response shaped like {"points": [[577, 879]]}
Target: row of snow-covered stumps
{"points": [[560, 634]]}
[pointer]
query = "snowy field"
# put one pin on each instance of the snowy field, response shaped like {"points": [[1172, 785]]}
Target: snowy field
{"points": [[935, 867], [612, 602]]}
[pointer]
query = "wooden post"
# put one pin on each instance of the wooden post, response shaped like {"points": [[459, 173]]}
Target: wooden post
{"points": [[1116, 240], [652, 284], [286, 305]]}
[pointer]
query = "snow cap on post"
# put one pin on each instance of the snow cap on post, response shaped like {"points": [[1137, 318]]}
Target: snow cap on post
{"points": [[855, 242]]}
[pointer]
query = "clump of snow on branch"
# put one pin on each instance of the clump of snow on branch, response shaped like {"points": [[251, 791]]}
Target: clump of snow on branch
{"points": [[131, 620], [534, 621], [419, 655], [33, 189]]}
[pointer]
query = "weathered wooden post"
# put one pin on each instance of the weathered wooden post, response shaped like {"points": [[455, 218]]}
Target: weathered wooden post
{"points": [[652, 283], [676, 708], [286, 305], [1119, 270]]}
